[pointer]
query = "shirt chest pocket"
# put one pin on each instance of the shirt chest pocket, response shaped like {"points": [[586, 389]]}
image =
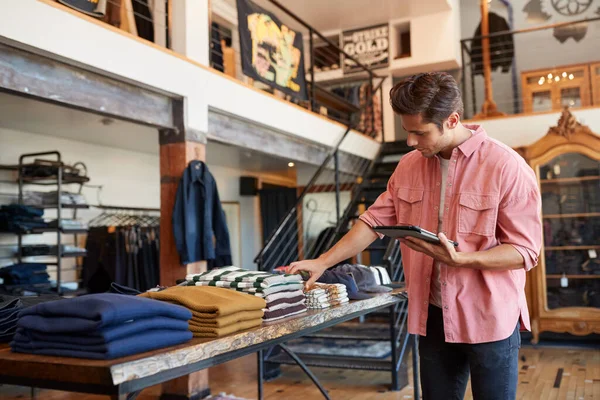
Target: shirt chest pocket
{"points": [[477, 214], [410, 206]]}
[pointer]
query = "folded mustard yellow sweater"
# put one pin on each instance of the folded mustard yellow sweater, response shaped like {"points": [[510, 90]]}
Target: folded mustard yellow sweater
{"points": [[227, 320], [207, 301], [208, 332]]}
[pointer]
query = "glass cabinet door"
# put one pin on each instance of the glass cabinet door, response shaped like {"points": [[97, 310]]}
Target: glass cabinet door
{"points": [[570, 185]]}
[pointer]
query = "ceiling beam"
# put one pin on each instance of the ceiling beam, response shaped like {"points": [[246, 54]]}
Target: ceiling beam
{"points": [[233, 130], [36, 76]]}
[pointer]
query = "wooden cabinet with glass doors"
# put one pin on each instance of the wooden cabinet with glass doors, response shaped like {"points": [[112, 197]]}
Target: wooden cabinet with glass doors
{"points": [[563, 291], [554, 88], [595, 78]]}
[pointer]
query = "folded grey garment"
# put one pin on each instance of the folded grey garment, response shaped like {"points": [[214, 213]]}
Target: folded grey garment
{"points": [[364, 278]]}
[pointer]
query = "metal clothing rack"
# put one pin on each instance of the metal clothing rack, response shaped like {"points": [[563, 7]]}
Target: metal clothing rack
{"points": [[59, 180]]}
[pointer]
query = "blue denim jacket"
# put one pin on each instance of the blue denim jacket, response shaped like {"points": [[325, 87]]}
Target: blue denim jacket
{"points": [[197, 216]]}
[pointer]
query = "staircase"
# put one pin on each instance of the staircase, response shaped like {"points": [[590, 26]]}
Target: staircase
{"points": [[382, 252], [374, 183]]}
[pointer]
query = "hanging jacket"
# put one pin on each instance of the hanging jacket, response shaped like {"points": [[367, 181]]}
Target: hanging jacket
{"points": [[197, 216], [502, 48]]}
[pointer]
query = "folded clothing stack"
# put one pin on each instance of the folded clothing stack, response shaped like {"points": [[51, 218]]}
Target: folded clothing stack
{"points": [[9, 315], [100, 326], [326, 295], [21, 219], [288, 288], [49, 199], [10, 306], [34, 250], [216, 311], [24, 274]]}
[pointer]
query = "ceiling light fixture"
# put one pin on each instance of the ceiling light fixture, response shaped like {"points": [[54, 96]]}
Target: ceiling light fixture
{"points": [[564, 74], [291, 164], [571, 76]]}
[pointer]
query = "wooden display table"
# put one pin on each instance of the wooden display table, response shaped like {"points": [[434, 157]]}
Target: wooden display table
{"points": [[124, 378]]}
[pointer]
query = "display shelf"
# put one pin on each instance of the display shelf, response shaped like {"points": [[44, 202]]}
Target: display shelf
{"points": [[559, 248], [555, 276], [578, 215], [570, 180]]}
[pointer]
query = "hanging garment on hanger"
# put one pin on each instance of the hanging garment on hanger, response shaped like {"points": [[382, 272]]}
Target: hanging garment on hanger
{"points": [[502, 48], [113, 13], [216, 49], [94, 8], [143, 19], [197, 216]]}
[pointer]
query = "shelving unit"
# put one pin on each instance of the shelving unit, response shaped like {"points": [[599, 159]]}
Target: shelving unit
{"points": [[570, 180], [59, 179], [567, 165]]}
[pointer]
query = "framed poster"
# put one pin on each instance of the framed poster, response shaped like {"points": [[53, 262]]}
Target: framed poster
{"points": [[233, 218], [369, 46], [271, 52]]}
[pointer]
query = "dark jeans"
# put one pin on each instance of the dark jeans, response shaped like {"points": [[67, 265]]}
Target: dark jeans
{"points": [[445, 366]]}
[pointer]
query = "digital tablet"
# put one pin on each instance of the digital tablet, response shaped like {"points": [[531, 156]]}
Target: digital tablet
{"points": [[402, 231]]}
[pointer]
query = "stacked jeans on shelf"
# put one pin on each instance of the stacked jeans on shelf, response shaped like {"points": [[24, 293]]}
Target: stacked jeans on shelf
{"points": [[16, 218], [24, 274], [100, 326]]}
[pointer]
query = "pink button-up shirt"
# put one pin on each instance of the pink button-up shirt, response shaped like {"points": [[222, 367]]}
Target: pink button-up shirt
{"points": [[492, 197]]}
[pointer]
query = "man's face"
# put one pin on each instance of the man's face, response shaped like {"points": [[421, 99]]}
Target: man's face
{"points": [[427, 138]]}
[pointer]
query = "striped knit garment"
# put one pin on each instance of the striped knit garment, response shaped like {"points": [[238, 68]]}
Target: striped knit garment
{"points": [[326, 295], [279, 291]]}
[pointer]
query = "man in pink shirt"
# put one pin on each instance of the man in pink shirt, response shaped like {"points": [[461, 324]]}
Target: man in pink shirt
{"points": [[466, 303]]}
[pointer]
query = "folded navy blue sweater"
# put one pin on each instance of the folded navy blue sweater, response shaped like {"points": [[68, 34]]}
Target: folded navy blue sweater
{"points": [[96, 311], [134, 344], [29, 330]]}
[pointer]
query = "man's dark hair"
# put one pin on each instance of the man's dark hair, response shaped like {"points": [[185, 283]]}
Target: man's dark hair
{"points": [[434, 95]]}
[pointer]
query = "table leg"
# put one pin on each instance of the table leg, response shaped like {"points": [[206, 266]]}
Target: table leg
{"points": [[305, 369], [394, 347], [261, 370], [415, 357]]}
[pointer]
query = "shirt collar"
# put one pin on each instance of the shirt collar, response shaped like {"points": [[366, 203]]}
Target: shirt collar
{"points": [[197, 171], [469, 146]]}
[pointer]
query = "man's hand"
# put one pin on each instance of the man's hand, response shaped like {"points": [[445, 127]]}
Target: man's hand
{"points": [[443, 252], [314, 267]]}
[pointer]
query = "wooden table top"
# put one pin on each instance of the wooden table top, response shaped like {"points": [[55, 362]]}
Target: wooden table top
{"points": [[103, 373]]}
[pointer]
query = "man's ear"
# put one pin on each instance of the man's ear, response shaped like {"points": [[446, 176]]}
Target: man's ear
{"points": [[453, 120]]}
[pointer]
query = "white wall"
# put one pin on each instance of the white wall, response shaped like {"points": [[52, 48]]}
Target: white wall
{"points": [[524, 130], [228, 183], [128, 179], [533, 50], [434, 44], [70, 36]]}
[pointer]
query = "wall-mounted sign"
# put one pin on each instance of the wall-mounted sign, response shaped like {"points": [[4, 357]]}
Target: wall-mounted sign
{"points": [[369, 46], [271, 52]]}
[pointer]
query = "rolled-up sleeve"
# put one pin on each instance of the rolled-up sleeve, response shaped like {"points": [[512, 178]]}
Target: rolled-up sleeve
{"points": [[383, 211], [519, 213]]}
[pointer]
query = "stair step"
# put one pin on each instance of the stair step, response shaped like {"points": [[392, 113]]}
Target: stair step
{"points": [[376, 248], [376, 332], [381, 175], [328, 361], [398, 147]]}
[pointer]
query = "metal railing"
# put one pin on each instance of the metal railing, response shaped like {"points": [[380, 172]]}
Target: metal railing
{"points": [[354, 99], [535, 69], [319, 208]]}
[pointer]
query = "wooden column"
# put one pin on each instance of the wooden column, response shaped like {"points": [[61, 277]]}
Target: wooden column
{"points": [[489, 108], [177, 149]]}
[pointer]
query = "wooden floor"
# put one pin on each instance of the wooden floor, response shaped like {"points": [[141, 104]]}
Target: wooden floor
{"points": [[544, 373]]}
